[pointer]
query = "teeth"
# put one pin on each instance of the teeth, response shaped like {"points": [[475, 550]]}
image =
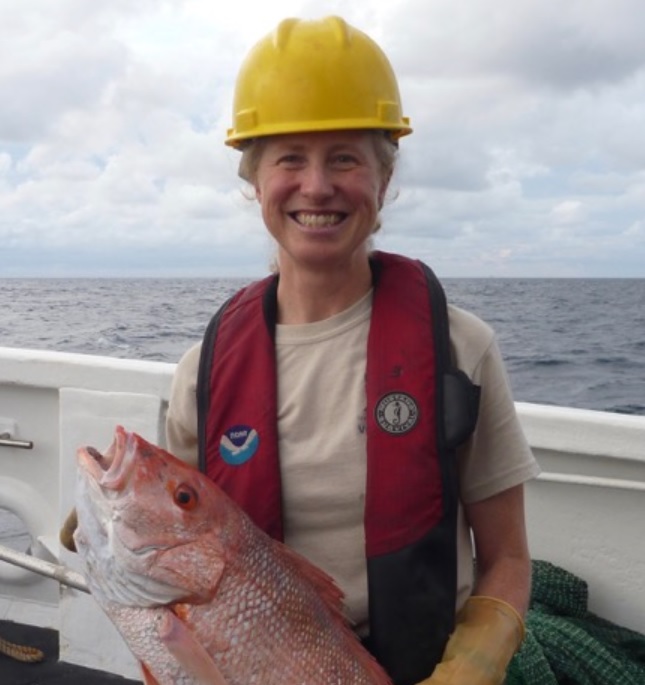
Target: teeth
{"points": [[317, 219]]}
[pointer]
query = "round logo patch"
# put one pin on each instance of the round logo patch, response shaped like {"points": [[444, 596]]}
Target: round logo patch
{"points": [[397, 413], [238, 444]]}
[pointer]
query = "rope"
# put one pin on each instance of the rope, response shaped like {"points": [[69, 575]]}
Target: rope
{"points": [[20, 652], [568, 645]]}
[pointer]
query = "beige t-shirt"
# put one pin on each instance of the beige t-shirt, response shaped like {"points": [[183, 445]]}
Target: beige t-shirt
{"points": [[322, 439]]}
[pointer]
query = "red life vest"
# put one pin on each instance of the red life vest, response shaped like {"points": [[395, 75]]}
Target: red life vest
{"points": [[419, 408]]}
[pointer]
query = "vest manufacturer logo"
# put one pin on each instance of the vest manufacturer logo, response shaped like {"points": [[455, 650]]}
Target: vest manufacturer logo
{"points": [[397, 413], [238, 444]]}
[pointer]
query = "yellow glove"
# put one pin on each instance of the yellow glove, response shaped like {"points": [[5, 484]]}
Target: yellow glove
{"points": [[487, 635], [67, 531]]}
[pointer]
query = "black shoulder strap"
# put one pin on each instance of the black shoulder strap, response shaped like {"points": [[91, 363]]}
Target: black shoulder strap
{"points": [[460, 395], [203, 381]]}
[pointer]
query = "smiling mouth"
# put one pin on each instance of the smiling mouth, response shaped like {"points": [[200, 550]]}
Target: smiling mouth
{"points": [[318, 219]]}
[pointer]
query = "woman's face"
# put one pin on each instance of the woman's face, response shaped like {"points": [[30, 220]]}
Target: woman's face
{"points": [[320, 195]]}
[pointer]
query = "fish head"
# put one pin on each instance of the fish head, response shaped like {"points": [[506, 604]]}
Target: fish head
{"points": [[149, 526]]}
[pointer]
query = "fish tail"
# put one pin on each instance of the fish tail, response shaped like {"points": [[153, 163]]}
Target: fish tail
{"points": [[21, 652]]}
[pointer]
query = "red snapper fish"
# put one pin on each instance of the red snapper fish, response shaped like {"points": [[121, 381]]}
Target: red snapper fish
{"points": [[199, 593]]}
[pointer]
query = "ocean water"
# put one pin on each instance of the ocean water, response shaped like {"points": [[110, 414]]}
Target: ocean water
{"points": [[573, 342]]}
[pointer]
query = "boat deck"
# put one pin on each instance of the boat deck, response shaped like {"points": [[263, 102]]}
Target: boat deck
{"points": [[50, 671]]}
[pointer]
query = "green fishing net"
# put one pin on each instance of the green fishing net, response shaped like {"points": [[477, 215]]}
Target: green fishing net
{"points": [[568, 645]]}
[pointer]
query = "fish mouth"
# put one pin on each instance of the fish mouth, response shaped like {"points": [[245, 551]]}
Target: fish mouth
{"points": [[108, 474], [111, 469]]}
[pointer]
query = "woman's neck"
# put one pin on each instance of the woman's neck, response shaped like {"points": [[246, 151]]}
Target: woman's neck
{"points": [[309, 296]]}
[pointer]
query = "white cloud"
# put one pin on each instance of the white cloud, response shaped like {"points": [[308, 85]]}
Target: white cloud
{"points": [[568, 212], [527, 156]]}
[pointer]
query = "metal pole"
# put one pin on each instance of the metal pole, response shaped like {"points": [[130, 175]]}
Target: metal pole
{"points": [[62, 574]]}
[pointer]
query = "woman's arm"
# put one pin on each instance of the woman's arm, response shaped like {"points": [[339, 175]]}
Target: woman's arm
{"points": [[489, 627], [503, 564]]}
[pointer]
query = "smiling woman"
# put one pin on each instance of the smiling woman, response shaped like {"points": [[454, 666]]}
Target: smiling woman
{"points": [[361, 387]]}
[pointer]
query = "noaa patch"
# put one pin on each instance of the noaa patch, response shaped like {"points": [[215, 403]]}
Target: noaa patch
{"points": [[397, 413], [238, 444]]}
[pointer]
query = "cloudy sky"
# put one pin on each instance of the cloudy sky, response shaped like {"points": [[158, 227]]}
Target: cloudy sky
{"points": [[527, 158]]}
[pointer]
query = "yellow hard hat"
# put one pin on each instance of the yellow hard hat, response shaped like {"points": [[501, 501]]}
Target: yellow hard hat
{"points": [[318, 75]]}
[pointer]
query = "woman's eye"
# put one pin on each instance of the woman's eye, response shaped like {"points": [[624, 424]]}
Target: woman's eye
{"points": [[290, 160], [345, 160]]}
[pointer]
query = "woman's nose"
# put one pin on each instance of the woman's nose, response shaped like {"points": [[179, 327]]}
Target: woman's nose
{"points": [[316, 182]]}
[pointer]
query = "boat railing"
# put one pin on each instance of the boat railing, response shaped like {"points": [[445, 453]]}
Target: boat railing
{"points": [[584, 512]]}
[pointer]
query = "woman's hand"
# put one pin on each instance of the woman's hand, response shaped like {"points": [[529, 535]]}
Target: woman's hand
{"points": [[488, 633]]}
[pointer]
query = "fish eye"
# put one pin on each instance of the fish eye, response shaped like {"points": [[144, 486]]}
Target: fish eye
{"points": [[185, 497]]}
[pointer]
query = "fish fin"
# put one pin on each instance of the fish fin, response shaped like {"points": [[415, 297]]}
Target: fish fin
{"points": [[148, 678], [376, 673], [188, 651], [323, 583], [333, 596]]}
